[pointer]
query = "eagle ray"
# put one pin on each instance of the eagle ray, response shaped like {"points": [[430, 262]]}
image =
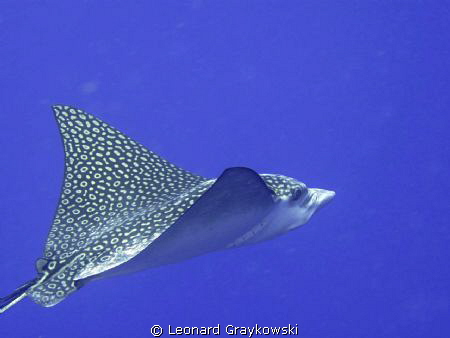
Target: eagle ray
{"points": [[123, 209]]}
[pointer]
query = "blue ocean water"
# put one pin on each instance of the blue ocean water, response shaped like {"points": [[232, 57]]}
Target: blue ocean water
{"points": [[350, 96]]}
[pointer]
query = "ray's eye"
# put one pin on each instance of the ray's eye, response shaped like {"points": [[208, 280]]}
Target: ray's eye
{"points": [[297, 194]]}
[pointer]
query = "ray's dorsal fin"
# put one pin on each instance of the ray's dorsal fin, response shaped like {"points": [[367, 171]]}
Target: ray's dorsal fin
{"points": [[107, 175], [238, 196]]}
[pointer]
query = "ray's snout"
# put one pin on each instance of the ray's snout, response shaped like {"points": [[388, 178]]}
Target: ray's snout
{"points": [[321, 197]]}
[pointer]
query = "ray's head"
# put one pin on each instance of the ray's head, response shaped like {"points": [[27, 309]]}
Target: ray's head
{"points": [[295, 204], [304, 202]]}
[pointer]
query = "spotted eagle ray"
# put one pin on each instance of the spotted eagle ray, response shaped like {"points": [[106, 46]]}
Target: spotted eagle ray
{"points": [[124, 209]]}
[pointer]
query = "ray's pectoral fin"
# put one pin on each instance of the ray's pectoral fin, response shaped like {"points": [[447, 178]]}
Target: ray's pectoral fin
{"points": [[235, 202], [239, 196]]}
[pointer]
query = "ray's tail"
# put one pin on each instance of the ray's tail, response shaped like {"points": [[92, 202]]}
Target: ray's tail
{"points": [[16, 296]]}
